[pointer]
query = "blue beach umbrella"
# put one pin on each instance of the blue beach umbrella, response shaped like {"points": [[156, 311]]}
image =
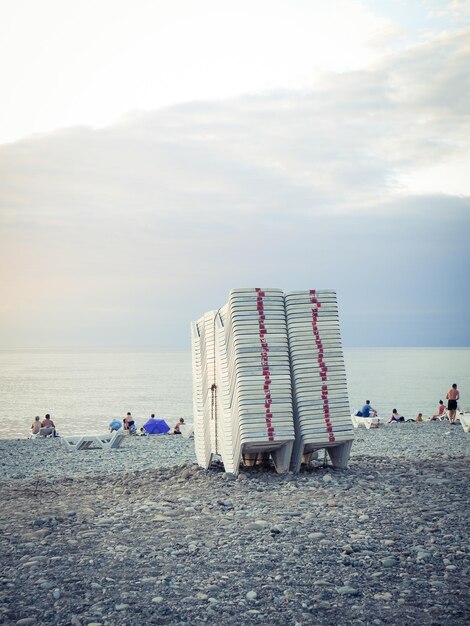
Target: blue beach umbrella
{"points": [[156, 427]]}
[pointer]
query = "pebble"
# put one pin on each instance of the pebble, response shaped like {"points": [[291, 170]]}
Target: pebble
{"points": [[347, 591], [262, 523], [258, 525], [39, 522], [383, 596], [263, 528], [50, 458]]}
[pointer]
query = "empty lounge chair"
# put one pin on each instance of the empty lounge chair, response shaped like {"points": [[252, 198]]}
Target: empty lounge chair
{"points": [[108, 441]]}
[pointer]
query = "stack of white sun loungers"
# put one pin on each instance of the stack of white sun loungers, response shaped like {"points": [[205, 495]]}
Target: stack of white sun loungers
{"points": [[243, 350], [259, 384], [203, 353], [321, 403], [259, 380]]}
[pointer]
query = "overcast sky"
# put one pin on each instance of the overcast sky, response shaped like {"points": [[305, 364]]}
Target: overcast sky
{"points": [[154, 155]]}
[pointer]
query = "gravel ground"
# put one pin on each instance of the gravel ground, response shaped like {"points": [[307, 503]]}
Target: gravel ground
{"points": [[41, 458], [141, 535], [48, 458]]}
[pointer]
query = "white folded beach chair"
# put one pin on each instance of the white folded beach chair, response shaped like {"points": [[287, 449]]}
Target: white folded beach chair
{"points": [[108, 441], [367, 422]]}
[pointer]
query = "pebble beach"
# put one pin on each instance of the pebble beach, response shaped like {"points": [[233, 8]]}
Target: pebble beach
{"points": [[142, 535]]}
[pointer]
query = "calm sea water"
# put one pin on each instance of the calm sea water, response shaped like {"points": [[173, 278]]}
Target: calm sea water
{"points": [[83, 389]]}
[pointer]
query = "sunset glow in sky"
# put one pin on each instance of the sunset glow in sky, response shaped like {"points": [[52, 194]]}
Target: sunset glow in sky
{"points": [[154, 155]]}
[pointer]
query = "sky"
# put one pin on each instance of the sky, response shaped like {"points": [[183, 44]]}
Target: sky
{"points": [[155, 155]]}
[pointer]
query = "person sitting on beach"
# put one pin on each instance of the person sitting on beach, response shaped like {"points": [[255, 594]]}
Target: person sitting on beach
{"points": [[452, 396], [129, 424], [367, 410], [114, 425], [142, 432], [177, 426], [440, 412], [36, 426], [47, 427], [418, 418], [394, 418]]}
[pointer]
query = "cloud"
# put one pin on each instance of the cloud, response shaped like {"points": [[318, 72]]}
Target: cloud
{"points": [[150, 54], [123, 234]]}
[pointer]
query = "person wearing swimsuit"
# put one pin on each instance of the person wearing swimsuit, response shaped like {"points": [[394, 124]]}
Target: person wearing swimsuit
{"points": [[452, 396]]}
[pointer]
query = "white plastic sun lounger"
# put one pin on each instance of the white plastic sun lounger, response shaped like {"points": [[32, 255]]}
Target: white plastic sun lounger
{"points": [[109, 441], [187, 430], [465, 421], [44, 433], [367, 422]]}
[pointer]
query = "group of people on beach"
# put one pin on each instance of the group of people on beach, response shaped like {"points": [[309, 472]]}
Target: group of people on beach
{"points": [[129, 425], [43, 428], [452, 397], [47, 428]]}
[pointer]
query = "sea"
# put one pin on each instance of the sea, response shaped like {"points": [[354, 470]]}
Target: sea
{"points": [[84, 389]]}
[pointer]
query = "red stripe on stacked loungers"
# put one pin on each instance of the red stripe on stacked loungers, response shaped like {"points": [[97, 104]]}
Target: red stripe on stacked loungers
{"points": [[321, 364], [265, 363]]}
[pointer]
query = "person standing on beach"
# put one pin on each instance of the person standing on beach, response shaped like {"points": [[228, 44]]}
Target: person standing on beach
{"points": [[452, 396]]}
